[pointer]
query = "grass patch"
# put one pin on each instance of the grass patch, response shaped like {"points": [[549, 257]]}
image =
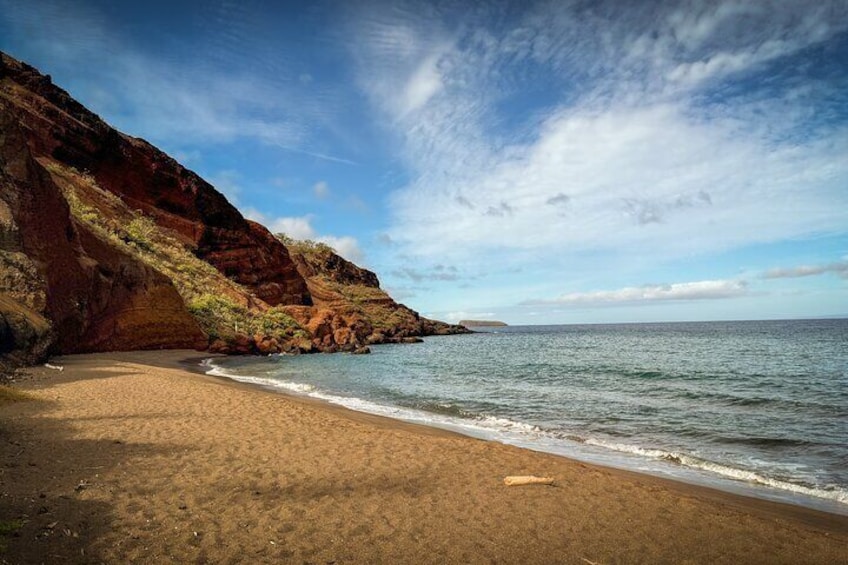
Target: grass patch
{"points": [[8, 528]]}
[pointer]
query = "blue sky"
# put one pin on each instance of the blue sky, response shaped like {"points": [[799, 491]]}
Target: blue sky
{"points": [[536, 162]]}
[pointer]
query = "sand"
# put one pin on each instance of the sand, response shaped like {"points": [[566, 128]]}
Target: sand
{"points": [[127, 457]]}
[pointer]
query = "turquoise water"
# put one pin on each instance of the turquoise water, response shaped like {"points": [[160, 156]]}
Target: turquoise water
{"points": [[753, 407]]}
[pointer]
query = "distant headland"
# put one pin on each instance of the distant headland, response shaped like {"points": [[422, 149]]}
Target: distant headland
{"points": [[481, 323]]}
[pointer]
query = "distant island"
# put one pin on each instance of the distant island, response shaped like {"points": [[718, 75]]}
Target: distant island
{"points": [[481, 323]]}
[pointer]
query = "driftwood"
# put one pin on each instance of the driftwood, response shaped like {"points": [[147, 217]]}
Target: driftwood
{"points": [[528, 480], [54, 367]]}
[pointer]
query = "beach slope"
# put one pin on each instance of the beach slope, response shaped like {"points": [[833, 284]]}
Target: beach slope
{"points": [[127, 457]]}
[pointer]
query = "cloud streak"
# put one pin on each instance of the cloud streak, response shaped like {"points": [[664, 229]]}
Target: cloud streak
{"points": [[839, 268], [236, 91], [699, 290], [438, 273]]}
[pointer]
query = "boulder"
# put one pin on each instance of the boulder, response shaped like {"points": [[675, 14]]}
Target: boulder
{"points": [[25, 335]]}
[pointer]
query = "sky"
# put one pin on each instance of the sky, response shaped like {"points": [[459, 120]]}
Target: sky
{"points": [[531, 162]]}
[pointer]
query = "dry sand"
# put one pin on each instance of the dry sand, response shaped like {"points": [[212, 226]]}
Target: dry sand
{"points": [[129, 458]]}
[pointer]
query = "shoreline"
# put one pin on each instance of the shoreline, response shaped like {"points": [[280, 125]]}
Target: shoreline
{"points": [[593, 454], [336, 484]]}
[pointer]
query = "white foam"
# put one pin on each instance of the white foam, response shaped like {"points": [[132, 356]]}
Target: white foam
{"points": [[831, 493], [218, 371]]}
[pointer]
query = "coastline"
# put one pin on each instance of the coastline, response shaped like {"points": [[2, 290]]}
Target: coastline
{"points": [[132, 456]]}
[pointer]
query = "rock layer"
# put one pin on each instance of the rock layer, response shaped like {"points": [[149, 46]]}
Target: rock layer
{"points": [[147, 179], [94, 296]]}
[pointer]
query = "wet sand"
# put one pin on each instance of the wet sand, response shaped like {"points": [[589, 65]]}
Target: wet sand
{"points": [[130, 457]]}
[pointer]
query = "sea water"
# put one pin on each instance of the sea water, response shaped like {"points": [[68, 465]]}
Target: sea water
{"points": [[759, 408]]}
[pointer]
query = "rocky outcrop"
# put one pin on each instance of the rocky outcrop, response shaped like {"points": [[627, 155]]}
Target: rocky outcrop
{"points": [[25, 335], [351, 308], [316, 260], [107, 243]]}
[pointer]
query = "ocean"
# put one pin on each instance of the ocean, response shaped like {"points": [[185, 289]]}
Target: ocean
{"points": [[758, 407]]}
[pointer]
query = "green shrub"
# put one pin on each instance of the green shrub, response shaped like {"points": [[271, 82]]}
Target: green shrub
{"points": [[222, 318], [274, 322], [141, 231], [304, 246], [219, 317]]}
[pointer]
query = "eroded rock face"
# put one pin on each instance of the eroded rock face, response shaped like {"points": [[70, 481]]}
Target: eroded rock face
{"points": [[147, 179], [92, 296], [335, 267], [351, 308]]}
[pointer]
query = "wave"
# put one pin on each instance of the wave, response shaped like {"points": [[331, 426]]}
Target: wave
{"points": [[504, 430], [767, 441], [218, 371], [830, 492]]}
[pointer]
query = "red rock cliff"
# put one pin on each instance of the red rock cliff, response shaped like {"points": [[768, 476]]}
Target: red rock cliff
{"points": [[107, 243], [53, 268], [58, 127]]}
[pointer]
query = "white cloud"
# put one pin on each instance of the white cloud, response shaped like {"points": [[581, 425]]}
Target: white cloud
{"points": [[423, 84], [294, 227], [636, 179], [300, 227], [700, 290], [454, 317], [252, 213], [346, 246]]}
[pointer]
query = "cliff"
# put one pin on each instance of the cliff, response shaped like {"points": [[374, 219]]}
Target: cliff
{"points": [[107, 243]]}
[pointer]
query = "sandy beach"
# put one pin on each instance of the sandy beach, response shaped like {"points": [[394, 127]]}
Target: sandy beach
{"points": [[130, 457]]}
